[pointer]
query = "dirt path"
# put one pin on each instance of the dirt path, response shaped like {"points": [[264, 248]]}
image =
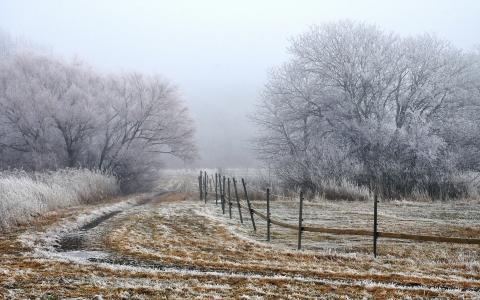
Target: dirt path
{"points": [[163, 246]]}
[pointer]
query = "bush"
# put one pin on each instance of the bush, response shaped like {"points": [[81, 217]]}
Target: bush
{"points": [[343, 190]]}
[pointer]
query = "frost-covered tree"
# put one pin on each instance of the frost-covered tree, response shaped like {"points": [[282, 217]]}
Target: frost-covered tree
{"points": [[141, 114], [56, 114], [27, 132], [371, 106]]}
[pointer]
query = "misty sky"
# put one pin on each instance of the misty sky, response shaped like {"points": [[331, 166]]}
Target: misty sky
{"points": [[217, 52]]}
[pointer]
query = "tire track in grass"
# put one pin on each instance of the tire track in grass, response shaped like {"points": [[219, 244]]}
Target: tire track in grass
{"points": [[74, 241], [191, 270]]}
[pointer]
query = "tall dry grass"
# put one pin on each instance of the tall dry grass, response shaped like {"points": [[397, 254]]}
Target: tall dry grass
{"points": [[343, 189], [24, 196]]}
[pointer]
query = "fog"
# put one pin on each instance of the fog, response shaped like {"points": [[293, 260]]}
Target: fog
{"points": [[217, 52]]}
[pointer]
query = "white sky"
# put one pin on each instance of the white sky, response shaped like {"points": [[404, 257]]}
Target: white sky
{"points": [[217, 52]]}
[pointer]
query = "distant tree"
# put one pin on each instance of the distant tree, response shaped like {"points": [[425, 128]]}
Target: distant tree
{"points": [[7, 46], [142, 114]]}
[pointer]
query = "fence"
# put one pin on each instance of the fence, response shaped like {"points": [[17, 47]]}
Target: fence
{"points": [[223, 194]]}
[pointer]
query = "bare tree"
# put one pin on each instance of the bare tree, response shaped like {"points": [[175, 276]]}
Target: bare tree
{"points": [[57, 114], [142, 114]]}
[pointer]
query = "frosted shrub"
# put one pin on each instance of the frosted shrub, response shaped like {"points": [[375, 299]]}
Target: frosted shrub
{"points": [[467, 183], [24, 196], [343, 190]]}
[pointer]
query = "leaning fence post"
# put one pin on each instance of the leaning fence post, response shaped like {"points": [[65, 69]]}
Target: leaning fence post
{"points": [[216, 189], [300, 221], [223, 196], [205, 185], [200, 185], [238, 200], [268, 215], [375, 223], [250, 210], [229, 199]]}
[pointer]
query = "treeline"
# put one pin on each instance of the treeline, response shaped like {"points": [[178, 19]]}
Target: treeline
{"points": [[398, 114], [56, 114]]}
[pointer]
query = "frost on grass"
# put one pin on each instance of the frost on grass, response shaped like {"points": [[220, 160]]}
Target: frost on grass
{"points": [[24, 196], [45, 243], [199, 241], [186, 249]]}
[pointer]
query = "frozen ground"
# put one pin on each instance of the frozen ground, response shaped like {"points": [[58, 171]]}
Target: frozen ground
{"points": [[172, 245]]}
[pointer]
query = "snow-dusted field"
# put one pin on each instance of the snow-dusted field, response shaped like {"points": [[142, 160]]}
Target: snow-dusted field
{"points": [[448, 219], [172, 245]]}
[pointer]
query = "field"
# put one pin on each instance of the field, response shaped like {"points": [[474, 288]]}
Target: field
{"points": [[171, 245]]}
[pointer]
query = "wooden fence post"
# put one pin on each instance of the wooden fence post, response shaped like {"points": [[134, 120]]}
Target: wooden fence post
{"points": [[222, 195], [375, 222], [216, 189], [250, 210], [207, 178], [238, 200], [200, 185], [300, 221], [205, 185], [229, 199], [268, 215]]}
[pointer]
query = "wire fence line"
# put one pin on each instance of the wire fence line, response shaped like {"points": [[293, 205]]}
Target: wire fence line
{"points": [[272, 194], [217, 184]]}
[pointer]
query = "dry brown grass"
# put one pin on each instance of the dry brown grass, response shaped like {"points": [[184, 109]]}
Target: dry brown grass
{"points": [[213, 257], [190, 240]]}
